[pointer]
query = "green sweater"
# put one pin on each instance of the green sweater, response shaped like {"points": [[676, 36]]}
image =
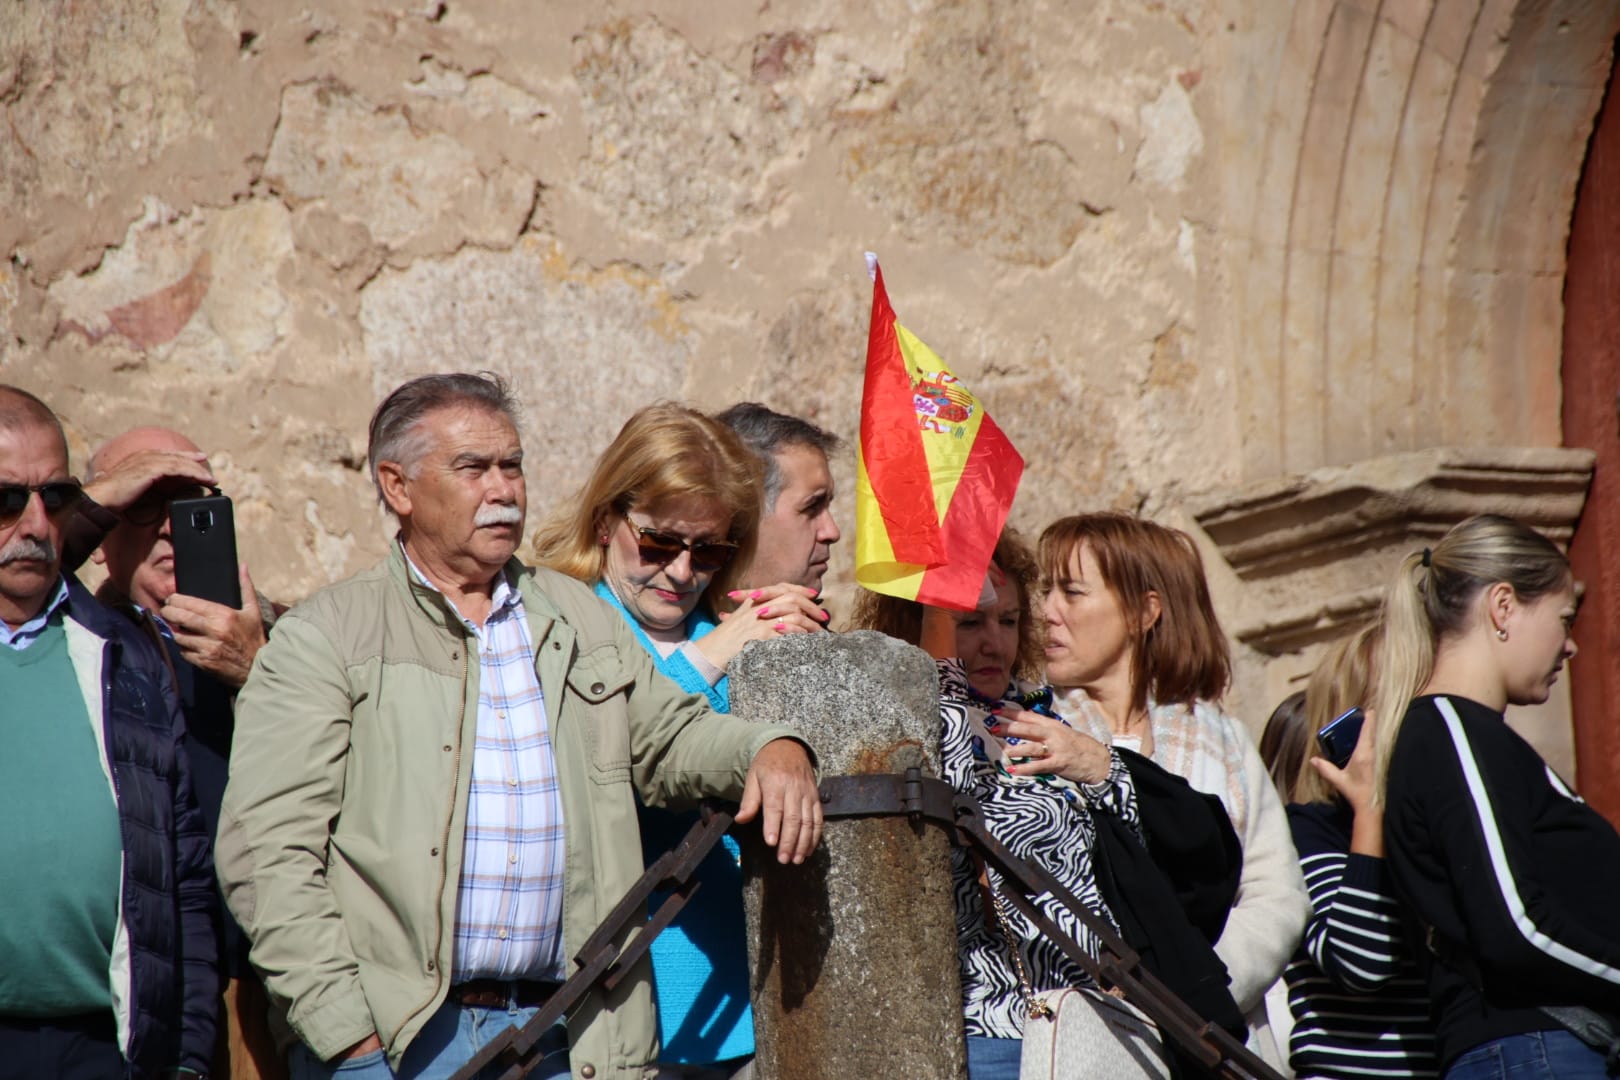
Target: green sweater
{"points": [[61, 844]]}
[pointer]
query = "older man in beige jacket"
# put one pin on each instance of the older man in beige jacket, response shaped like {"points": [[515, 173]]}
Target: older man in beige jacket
{"points": [[432, 794]]}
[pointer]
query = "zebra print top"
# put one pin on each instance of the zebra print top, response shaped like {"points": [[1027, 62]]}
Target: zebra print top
{"points": [[1045, 820], [1360, 1008]]}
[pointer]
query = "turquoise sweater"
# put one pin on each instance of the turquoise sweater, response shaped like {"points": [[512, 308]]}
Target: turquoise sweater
{"points": [[700, 963], [58, 917]]}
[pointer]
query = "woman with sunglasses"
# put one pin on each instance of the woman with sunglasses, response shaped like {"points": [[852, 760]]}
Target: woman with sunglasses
{"points": [[662, 527]]}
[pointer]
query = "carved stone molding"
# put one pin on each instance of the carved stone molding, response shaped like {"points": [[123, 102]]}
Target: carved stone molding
{"points": [[1315, 552]]}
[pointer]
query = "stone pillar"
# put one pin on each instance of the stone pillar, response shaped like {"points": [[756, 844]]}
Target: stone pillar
{"points": [[853, 954]]}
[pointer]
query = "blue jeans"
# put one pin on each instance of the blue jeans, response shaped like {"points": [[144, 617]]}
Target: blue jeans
{"points": [[993, 1059], [1538, 1055], [448, 1041]]}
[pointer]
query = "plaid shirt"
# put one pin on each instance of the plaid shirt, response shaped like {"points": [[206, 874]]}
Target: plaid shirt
{"points": [[509, 900]]}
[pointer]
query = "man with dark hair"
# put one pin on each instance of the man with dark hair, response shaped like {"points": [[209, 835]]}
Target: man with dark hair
{"points": [[797, 531], [108, 919], [434, 778]]}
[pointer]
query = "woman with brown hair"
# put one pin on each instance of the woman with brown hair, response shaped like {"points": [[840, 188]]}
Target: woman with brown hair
{"points": [[998, 643], [1132, 637]]}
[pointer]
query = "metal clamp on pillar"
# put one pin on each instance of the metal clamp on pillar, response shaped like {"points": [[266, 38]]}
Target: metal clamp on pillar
{"points": [[888, 795]]}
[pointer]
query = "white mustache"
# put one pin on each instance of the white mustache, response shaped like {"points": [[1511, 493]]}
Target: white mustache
{"points": [[27, 547], [497, 514]]}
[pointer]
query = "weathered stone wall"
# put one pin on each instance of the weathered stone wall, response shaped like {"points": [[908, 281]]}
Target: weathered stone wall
{"points": [[1177, 246]]}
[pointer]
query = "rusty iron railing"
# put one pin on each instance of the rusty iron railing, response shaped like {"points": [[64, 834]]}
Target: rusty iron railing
{"points": [[602, 964]]}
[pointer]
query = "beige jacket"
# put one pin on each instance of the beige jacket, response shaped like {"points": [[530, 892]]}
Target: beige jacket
{"points": [[340, 840]]}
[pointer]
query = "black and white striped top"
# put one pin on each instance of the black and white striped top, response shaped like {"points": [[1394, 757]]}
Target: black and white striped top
{"points": [[1360, 1007]]}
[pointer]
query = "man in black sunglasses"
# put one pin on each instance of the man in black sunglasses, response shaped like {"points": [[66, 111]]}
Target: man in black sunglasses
{"points": [[109, 915]]}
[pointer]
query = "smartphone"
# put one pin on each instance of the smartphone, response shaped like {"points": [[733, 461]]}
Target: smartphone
{"points": [[1338, 737], [203, 531]]}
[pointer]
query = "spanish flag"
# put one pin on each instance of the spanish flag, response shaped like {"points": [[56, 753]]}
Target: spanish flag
{"points": [[936, 477]]}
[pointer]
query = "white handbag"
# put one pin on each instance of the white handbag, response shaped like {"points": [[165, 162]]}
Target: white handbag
{"points": [[1087, 1033], [1082, 1032]]}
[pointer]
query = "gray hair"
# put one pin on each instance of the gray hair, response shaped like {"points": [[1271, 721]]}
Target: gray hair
{"points": [[396, 431], [765, 432], [20, 410]]}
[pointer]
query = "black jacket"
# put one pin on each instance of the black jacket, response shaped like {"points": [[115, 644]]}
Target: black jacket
{"points": [[1171, 898], [1506, 873], [170, 910]]}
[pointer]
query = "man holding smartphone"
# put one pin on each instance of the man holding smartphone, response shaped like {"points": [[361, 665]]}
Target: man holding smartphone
{"points": [[131, 482]]}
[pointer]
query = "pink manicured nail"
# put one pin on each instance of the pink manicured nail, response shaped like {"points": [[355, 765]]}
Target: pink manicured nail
{"points": [[764, 611], [735, 594], [781, 626], [756, 594]]}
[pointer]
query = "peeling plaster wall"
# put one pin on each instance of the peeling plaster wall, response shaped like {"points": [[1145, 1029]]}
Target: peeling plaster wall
{"points": [[250, 219]]}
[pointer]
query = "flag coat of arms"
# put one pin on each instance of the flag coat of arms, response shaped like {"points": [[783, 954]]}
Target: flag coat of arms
{"points": [[935, 478]]}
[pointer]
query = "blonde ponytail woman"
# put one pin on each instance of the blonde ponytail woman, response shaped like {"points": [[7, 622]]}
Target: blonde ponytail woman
{"points": [[1511, 882]]}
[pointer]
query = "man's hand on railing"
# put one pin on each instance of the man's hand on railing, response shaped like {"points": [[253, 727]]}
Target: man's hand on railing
{"points": [[781, 783]]}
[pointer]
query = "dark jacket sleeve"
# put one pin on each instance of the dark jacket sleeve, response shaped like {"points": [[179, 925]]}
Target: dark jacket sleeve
{"points": [[198, 906], [1467, 822], [86, 528]]}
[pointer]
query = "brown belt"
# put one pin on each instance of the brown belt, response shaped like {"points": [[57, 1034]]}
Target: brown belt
{"points": [[498, 994]]}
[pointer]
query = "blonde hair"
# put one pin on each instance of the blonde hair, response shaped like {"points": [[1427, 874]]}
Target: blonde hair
{"points": [[1430, 600], [1343, 680], [663, 452]]}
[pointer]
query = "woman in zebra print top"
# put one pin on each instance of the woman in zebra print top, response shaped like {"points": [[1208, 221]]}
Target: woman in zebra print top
{"points": [[1037, 794]]}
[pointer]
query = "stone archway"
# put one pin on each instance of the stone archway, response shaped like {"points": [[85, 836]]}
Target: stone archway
{"points": [[1396, 194], [1395, 184]]}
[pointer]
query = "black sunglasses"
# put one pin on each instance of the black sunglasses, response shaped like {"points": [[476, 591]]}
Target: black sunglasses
{"points": [[153, 506], [56, 495], [708, 556]]}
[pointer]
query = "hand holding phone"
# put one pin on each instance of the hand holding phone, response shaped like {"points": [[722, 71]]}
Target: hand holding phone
{"points": [[1348, 767], [1338, 737]]}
